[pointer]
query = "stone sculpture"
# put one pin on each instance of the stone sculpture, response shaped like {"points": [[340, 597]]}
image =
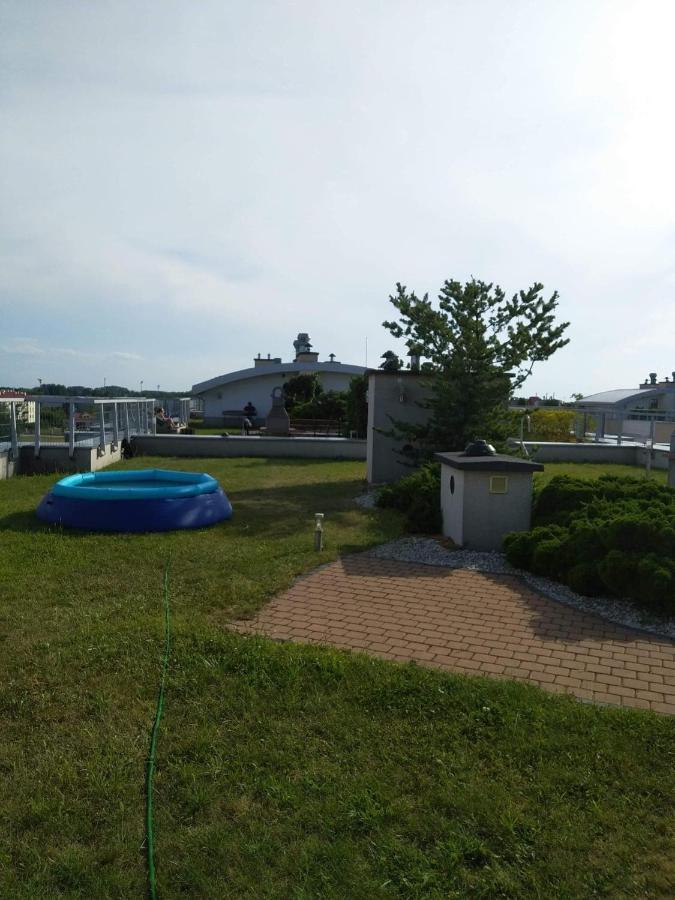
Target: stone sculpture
{"points": [[278, 421]]}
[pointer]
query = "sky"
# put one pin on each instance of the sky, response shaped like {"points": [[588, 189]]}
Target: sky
{"points": [[184, 185]]}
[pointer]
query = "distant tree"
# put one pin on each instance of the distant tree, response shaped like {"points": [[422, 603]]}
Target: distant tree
{"points": [[56, 390], [303, 388], [357, 405], [482, 347], [78, 390], [111, 390], [552, 425], [391, 363]]}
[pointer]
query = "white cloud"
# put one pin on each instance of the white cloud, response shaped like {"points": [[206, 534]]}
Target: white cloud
{"points": [[22, 347], [119, 354], [217, 182]]}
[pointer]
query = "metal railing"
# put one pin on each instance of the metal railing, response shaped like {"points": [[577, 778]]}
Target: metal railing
{"points": [[73, 421], [177, 408]]}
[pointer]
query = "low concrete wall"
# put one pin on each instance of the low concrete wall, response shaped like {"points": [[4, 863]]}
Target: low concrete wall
{"points": [[206, 445], [640, 430], [561, 452], [659, 458], [57, 459], [622, 454], [8, 467]]}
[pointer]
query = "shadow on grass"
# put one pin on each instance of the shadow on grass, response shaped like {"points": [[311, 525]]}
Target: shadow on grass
{"points": [[271, 510], [24, 521], [287, 462], [28, 523], [264, 512]]}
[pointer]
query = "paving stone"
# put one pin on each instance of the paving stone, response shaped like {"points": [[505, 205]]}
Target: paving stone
{"points": [[467, 621]]}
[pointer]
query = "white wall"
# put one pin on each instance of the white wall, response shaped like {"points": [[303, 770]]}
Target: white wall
{"points": [[388, 400], [488, 517], [477, 519]]}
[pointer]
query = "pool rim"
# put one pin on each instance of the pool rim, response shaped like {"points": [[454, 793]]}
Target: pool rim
{"points": [[91, 486]]}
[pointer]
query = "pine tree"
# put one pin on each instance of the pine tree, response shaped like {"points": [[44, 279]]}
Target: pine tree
{"points": [[480, 347]]}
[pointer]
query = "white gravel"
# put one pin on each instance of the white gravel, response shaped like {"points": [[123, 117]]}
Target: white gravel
{"points": [[431, 553], [366, 501]]}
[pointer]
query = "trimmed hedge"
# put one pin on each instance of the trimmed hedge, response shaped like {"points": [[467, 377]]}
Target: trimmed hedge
{"points": [[612, 536]]}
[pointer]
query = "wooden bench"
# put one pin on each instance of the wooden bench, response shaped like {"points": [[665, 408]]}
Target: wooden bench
{"points": [[317, 427]]}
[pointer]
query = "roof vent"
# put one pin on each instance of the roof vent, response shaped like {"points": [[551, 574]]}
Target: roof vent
{"points": [[302, 343], [652, 377], [479, 447]]}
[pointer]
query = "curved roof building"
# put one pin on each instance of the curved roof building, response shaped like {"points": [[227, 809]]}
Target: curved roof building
{"points": [[228, 394], [646, 412]]}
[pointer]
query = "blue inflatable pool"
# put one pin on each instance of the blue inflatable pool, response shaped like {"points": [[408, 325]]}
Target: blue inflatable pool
{"points": [[139, 500]]}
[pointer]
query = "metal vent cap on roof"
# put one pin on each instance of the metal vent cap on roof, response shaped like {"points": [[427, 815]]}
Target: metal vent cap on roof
{"points": [[478, 447]]}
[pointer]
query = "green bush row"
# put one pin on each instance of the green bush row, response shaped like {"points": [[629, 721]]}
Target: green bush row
{"points": [[613, 536], [564, 496]]}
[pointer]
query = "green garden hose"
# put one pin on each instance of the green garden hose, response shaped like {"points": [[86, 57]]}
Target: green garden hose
{"points": [[149, 831]]}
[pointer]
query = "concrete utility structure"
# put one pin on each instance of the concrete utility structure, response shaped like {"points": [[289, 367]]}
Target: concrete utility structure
{"points": [[647, 413], [392, 396], [227, 395], [483, 498]]}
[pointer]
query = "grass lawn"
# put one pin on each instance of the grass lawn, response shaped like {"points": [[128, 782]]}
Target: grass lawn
{"points": [[287, 771], [216, 431], [594, 470]]}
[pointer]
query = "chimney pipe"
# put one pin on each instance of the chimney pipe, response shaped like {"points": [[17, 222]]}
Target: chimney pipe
{"points": [[652, 377]]}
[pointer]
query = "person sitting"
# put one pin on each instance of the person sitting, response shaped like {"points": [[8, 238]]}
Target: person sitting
{"points": [[164, 424]]}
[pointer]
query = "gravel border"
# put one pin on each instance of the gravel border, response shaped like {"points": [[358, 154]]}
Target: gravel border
{"points": [[430, 552], [366, 501]]}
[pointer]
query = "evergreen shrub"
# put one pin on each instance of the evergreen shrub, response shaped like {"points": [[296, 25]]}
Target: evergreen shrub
{"points": [[612, 536], [418, 495]]}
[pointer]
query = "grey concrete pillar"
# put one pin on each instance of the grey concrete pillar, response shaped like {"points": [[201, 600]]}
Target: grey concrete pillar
{"points": [[600, 427], [71, 432]]}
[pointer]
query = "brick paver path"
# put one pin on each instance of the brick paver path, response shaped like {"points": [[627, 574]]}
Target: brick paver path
{"points": [[471, 622]]}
